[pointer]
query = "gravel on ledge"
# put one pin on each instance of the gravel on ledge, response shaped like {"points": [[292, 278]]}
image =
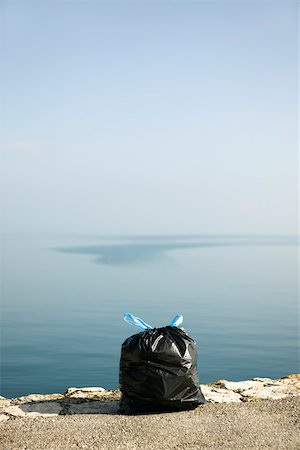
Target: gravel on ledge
{"points": [[264, 424]]}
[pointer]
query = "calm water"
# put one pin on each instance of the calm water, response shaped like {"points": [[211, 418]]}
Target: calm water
{"points": [[63, 298]]}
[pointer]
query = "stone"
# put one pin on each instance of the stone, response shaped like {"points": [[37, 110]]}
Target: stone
{"points": [[4, 403], [71, 390], [219, 395], [34, 409], [237, 386], [264, 380], [292, 375], [271, 392], [15, 411], [294, 383], [91, 389], [97, 400], [257, 388], [92, 394], [3, 417], [37, 397]]}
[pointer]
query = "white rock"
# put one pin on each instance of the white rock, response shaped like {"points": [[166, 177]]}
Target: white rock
{"points": [[293, 376], [94, 394], [3, 417], [91, 389], [14, 411], [239, 386], [35, 409], [71, 390], [97, 400], [2, 398], [271, 392], [4, 402], [263, 380], [295, 382], [38, 397], [219, 395]]}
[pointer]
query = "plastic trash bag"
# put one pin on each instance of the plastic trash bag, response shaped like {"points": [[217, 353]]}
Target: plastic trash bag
{"points": [[158, 369]]}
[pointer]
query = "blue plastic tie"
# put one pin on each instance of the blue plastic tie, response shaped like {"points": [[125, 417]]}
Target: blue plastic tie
{"points": [[139, 323], [176, 321], [136, 322]]}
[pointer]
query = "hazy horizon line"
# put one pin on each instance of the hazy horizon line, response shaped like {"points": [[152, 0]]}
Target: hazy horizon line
{"points": [[153, 235]]}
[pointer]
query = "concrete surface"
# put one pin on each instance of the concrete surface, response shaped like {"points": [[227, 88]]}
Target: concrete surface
{"points": [[262, 424]]}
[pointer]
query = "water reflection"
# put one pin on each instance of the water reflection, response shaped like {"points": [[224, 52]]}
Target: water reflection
{"points": [[154, 248]]}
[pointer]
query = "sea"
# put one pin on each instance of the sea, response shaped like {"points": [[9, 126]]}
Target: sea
{"points": [[63, 298]]}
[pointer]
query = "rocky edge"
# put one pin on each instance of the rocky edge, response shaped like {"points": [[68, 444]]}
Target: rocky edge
{"points": [[97, 400]]}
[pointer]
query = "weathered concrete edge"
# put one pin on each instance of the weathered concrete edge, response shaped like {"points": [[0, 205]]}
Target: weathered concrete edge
{"points": [[97, 400]]}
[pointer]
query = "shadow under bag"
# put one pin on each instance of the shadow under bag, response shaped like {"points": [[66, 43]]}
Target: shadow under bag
{"points": [[158, 369]]}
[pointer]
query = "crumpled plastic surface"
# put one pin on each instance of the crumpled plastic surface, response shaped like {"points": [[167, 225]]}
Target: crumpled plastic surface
{"points": [[158, 372]]}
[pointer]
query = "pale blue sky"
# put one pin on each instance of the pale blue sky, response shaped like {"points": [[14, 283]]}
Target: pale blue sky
{"points": [[149, 117]]}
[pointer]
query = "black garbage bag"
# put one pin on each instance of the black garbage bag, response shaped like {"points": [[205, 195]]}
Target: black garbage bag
{"points": [[158, 372]]}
